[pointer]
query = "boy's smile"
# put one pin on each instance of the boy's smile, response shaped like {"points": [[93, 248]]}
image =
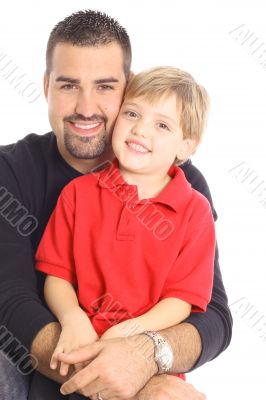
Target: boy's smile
{"points": [[137, 146]]}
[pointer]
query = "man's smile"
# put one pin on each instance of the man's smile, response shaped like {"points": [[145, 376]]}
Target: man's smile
{"points": [[85, 128]]}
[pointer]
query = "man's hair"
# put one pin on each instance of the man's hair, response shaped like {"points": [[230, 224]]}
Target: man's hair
{"points": [[89, 28], [152, 84]]}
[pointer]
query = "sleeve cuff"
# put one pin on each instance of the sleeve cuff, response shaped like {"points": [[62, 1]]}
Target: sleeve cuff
{"points": [[211, 339]]}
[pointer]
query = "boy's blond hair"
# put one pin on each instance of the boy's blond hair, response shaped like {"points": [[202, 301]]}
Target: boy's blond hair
{"points": [[154, 83]]}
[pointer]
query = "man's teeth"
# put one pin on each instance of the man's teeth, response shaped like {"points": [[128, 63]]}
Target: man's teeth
{"points": [[138, 147], [87, 127]]}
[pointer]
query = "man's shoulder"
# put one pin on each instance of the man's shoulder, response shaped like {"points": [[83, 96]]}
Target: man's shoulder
{"points": [[31, 141], [24, 163], [194, 176], [198, 182]]}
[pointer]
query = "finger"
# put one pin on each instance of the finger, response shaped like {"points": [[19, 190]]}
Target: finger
{"points": [[54, 358], [80, 380], [82, 354], [64, 369], [79, 366], [94, 388]]}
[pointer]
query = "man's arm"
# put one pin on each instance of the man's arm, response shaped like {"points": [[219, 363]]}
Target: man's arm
{"points": [[215, 325], [43, 347], [209, 331], [21, 310]]}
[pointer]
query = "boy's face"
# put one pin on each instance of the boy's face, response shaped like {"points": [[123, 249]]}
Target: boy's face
{"points": [[147, 138]]}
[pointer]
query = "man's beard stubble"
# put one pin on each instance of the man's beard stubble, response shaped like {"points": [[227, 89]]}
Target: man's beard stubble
{"points": [[87, 148]]}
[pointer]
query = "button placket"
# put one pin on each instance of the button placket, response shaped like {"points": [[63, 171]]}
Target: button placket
{"points": [[125, 230]]}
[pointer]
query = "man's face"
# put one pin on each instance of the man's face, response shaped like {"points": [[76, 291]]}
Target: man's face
{"points": [[84, 92]]}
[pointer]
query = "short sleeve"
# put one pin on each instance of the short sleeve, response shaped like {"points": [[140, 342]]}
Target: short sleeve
{"points": [[191, 277], [54, 255]]}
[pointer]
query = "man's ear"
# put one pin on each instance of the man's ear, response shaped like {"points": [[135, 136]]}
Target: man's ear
{"points": [[131, 75], [45, 84]]}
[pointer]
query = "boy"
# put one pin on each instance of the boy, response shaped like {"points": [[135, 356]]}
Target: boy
{"points": [[135, 234]]}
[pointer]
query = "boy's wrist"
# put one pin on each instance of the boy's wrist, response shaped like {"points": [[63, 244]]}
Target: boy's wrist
{"points": [[69, 317]]}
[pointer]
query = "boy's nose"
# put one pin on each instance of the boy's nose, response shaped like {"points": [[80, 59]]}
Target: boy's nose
{"points": [[141, 129]]}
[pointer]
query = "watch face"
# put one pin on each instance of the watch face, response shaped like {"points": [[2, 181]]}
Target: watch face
{"points": [[164, 356]]}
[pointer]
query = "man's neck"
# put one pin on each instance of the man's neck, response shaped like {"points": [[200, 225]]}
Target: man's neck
{"points": [[88, 165]]}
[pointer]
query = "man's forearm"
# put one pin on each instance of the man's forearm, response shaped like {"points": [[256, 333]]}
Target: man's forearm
{"points": [[42, 348], [186, 344]]}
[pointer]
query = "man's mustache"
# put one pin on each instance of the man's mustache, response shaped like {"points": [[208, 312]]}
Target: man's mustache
{"points": [[80, 117]]}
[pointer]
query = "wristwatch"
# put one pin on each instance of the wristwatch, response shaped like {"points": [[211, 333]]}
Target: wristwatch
{"points": [[163, 353]]}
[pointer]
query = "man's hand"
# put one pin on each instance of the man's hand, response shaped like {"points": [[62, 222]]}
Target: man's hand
{"points": [[167, 387], [119, 368]]}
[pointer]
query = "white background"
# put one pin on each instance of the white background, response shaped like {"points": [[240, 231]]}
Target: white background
{"points": [[193, 35]]}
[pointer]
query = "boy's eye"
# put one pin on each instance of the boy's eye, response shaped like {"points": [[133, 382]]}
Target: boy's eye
{"points": [[162, 125], [130, 114]]}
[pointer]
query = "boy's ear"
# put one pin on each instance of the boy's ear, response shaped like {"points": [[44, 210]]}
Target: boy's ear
{"points": [[186, 149]]}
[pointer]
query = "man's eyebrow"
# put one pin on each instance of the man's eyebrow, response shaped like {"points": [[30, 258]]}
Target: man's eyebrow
{"points": [[67, 79], [74, 81], [106, 80]]}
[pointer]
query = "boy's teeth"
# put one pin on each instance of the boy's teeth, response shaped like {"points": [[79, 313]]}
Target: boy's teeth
{"points": [[90, 126], [138, 147]]}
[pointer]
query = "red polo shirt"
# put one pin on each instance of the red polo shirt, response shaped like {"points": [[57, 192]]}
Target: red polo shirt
{"points": [[124, 255]]}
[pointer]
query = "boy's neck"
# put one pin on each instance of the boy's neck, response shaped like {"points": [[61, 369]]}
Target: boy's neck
{"points": [[149, 186]]}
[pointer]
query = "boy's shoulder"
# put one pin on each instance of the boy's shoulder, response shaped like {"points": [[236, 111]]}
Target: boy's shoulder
{"points": [[83, 184]]}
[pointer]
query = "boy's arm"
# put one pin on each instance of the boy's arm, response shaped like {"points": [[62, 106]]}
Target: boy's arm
{"points": [[167, 312], [77, 330], [63, 302], [60, 297]]}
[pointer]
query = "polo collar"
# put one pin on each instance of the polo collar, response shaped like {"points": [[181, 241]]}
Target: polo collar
{"points": [[175, 195]]}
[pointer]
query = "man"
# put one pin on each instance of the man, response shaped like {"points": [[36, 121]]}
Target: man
{"points": [[88, 65]]}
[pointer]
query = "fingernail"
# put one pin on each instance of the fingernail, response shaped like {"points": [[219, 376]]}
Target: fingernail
{"points": [[62, 391]]}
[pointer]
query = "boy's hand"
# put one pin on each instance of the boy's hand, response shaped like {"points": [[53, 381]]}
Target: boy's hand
{"points": [[77, 331]]}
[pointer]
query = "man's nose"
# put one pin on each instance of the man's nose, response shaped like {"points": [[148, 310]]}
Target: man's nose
{"points": [[87, 103]]}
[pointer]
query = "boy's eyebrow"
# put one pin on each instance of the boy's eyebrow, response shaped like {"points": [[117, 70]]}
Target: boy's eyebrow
{"points": [[168, 118], [157, 114], [63, 78]]}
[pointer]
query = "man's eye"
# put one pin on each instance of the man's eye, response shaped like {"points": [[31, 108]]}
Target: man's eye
{"points": [[69, 86], [105, 87]]}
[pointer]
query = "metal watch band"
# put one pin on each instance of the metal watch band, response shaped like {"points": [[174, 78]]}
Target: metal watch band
{"points": [[163, 354]]}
